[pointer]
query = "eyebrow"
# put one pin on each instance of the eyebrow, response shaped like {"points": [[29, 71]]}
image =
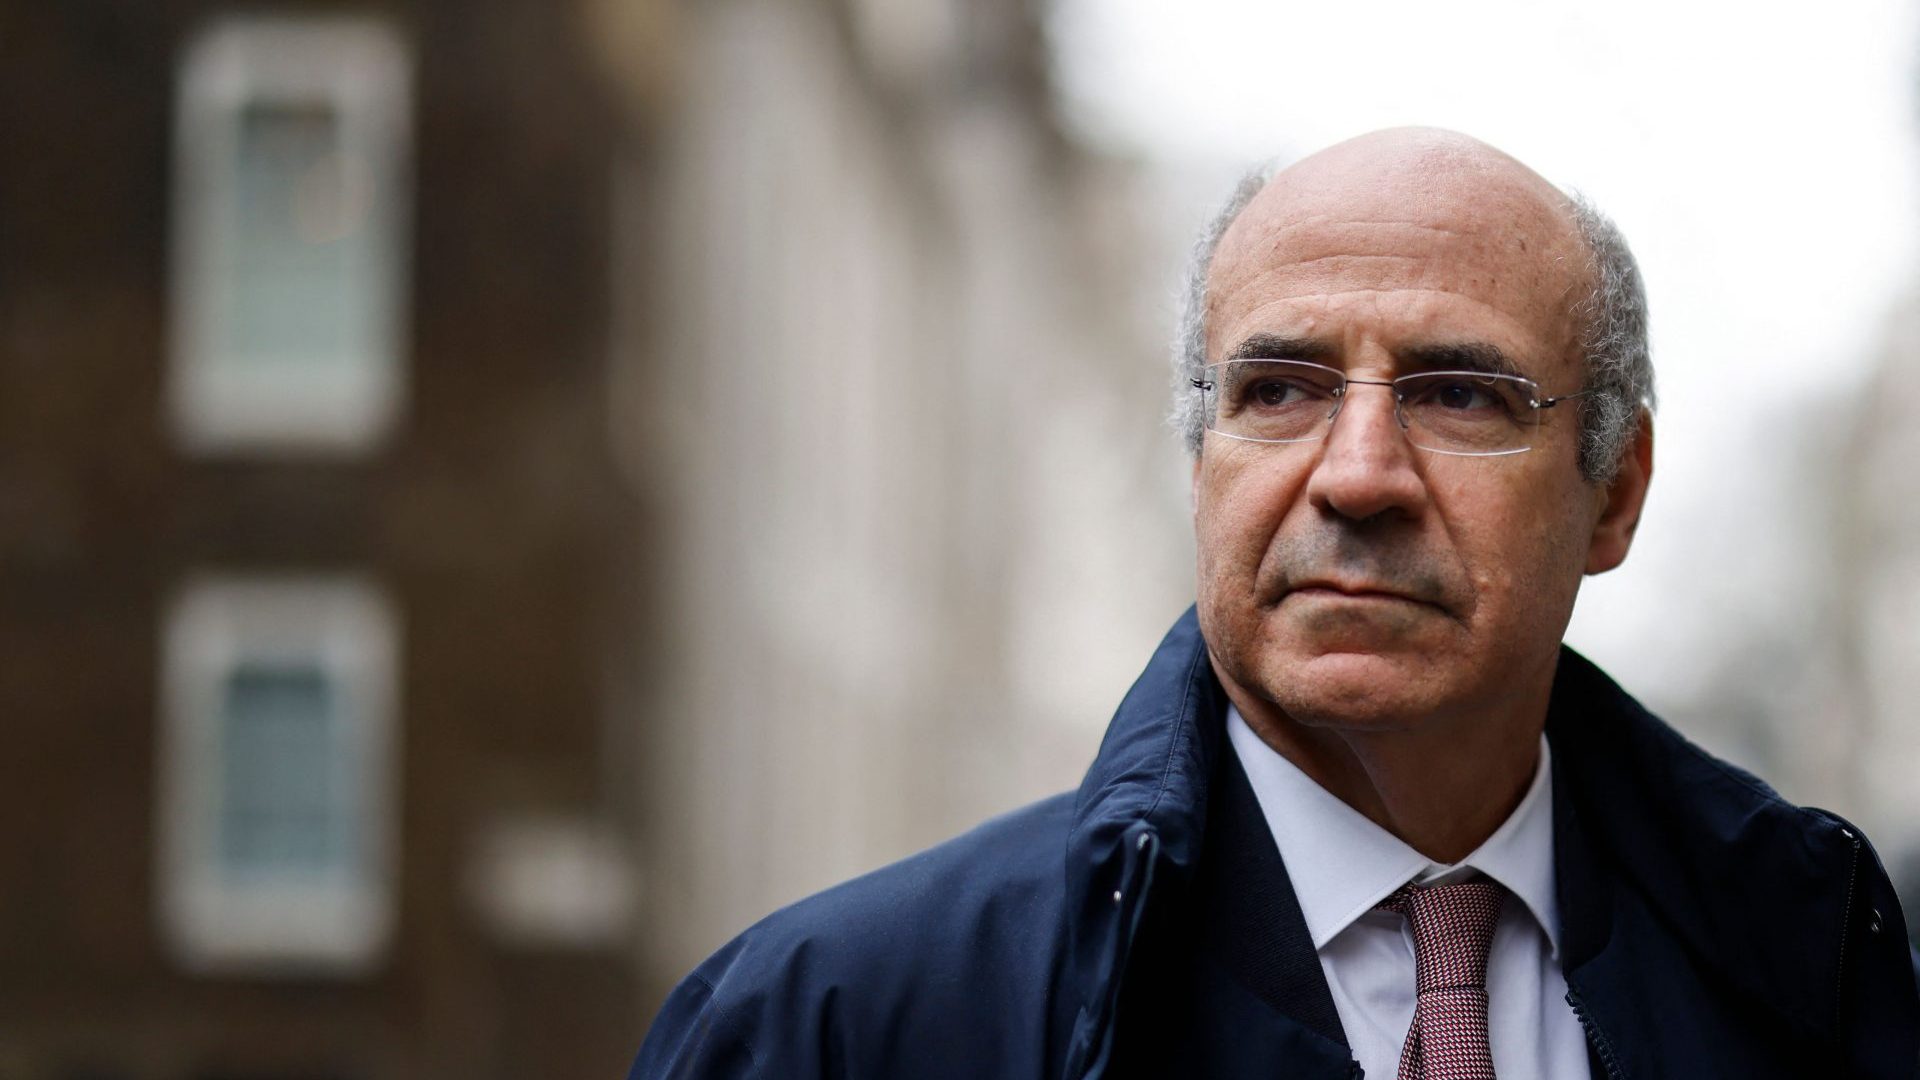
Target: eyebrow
{"points": [[1475, 356], [1280, 347]]}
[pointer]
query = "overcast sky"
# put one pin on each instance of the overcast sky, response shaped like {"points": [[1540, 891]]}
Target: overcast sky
{"points": [[1760, 161]]}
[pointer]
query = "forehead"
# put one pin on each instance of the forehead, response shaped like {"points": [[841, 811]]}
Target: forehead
{"points": [[1403, 250]]}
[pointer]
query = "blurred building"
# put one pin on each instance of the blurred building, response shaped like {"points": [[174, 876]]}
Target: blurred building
{"points": [[309, 524], [1877, 590], [888, 381], [495, 496]]}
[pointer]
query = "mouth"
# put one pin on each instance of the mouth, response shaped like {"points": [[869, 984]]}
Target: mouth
{"points": [[1354, 592]]}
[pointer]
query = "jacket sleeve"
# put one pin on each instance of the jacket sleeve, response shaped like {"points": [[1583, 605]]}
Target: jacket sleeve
{"points": [[688, 1041], [759, 1008]]}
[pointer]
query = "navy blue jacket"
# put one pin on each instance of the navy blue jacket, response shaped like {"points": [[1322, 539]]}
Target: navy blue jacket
{"points": [[1145, 926]]}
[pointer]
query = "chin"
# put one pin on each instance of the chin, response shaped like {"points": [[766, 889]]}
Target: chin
{"points": [[1371, 691], [1348, 690], [1328, 662]]}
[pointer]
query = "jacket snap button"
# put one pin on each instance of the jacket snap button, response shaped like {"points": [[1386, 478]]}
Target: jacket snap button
{"points": [[1143, 841], [1873, 921], [1116, 896]]}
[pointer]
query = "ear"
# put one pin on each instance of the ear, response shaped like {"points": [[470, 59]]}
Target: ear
{"points": [[1193, 489], [1621, 502]]}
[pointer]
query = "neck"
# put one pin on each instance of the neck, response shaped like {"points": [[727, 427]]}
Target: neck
{"points": [[1442, 785]]}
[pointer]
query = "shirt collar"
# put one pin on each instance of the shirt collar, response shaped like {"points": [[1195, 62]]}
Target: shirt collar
{"points": [[1342, 864]]}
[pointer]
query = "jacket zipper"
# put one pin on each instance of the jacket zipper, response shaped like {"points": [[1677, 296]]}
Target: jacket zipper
{"points": [[1595, 1038], [1846, 924], [1146, 848]]}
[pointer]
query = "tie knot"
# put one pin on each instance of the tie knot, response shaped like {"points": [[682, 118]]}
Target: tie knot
{"points": [[1452, 930]]}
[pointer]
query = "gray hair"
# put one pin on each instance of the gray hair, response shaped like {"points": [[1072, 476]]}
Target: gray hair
{"points": [[1613, 337], [1613, 333]]}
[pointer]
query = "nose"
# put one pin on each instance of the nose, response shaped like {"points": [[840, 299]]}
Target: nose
{"points": [[1366, 468]]}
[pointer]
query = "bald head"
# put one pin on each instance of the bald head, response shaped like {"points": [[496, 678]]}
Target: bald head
{"points": [[1416, 167], [1448, 201], [1419, 171]]}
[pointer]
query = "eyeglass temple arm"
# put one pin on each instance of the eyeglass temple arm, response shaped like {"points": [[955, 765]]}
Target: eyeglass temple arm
{"points": [[1548, 403]]}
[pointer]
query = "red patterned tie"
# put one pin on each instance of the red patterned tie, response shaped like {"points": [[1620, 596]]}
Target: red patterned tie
{"points": [[1452, 930]]}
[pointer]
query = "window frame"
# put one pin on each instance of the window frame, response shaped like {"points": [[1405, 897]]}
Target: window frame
{"points": [[331, 404], [213, 920]]}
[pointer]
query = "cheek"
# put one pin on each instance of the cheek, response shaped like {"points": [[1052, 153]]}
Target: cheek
{"points": [[1525, 560], [1237, 511]]}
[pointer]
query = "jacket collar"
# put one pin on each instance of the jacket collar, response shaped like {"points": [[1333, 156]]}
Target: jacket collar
{"points": [[1140, 814], [1151, 772]]}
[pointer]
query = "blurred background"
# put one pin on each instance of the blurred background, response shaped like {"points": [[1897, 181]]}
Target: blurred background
{"points": [[497, 495]]}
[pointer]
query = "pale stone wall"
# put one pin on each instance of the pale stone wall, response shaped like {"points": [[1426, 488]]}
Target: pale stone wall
{"points": [[895, 398]]}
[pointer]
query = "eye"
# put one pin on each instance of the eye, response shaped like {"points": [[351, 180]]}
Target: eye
{"points": [[1273, 393], [1269, 392], [1274, 389], [1464, 394], [1461, 395]]}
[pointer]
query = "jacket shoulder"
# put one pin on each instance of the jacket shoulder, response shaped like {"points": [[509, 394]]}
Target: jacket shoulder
{"points": [[948, 956]]}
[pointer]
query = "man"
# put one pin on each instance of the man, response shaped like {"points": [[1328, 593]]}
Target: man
{"points": [[1363, 812]]}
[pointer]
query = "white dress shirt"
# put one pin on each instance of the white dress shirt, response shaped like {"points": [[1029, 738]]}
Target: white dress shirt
{"points": [[1342, 864]]}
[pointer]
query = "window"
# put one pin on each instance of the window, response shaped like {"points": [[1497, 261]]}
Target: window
{"points": [[289, 237], [277, 811], [284, 810]]}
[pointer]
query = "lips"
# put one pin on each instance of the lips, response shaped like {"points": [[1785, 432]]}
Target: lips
{"points": [[1341, 567], [1355, 590]]}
